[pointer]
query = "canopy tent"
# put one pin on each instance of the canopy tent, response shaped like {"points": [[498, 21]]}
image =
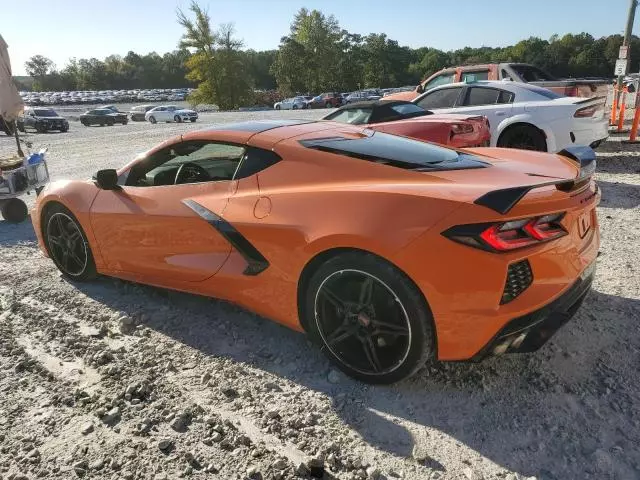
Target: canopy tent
{"points": [[10, 101]]}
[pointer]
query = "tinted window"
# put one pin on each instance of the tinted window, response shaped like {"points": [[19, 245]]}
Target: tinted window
{"points": [[444, 98], [407, 108], [255, 160], [482, 96], [45, 112], [529, 73], [354, 116], [443, 79], [505, 97], [383, 148], [474, 76]]}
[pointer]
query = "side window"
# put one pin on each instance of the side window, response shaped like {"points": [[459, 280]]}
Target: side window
{"points": [[187, 162], [255, 160], [482, 96], [443, 98], [505, 75], [444, 79], [505, 97], [474, 75]]}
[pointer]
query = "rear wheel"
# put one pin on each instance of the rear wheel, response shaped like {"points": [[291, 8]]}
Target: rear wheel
{"points": [[524, 137], [177, 119], [193, 120], [67, 244], [110, 122], [369, 318], [14, 210]]}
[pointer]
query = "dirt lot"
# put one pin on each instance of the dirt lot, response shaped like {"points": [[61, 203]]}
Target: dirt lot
{"points": [[113, 380]]}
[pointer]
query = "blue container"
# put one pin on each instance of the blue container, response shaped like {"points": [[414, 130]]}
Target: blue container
{"points": [[34, 158]]}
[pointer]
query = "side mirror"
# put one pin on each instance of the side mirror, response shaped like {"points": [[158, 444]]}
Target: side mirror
{"points": [[107, 179], [420, 89]]}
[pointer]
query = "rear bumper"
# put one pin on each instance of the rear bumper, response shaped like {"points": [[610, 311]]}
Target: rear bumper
{"points": [[529, 332]]}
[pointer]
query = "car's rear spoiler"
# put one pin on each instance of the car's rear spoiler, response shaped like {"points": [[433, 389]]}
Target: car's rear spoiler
{"points": [[505, 199]]}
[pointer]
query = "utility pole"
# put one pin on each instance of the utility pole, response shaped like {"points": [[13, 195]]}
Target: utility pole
{"points": [[627, 40]]}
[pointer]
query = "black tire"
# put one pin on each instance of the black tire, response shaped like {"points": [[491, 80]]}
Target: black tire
{"points": [[125, 121], [177, 119], [328, 105], [523, 137], [21, 127], [110, 122], [277, 107], [51, 228], [193, 120], [295, 107], [64, 129], [152, 119], [407, 327], [41, 128], [14, 210], [85, 123]]}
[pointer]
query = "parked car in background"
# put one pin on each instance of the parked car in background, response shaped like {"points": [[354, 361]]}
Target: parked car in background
{"points": [[42, 120], [363, 96], [102, 117], [516, 72], [136, 114], [522, 115], [410, 120], [326, 100], [293, 103], [170, 113]]}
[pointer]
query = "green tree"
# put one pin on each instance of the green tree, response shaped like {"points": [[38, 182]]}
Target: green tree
{"points": [[39, 67], [215, 63]]}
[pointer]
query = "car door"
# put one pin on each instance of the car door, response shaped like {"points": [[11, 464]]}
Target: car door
{"points": [[153, 229], [494, 103]]}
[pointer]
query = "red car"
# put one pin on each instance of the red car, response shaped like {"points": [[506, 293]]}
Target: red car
{"points": [[326, 100], [410, 120]]}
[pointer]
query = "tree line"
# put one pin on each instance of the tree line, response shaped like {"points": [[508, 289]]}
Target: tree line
{"points": [[316, 55]]}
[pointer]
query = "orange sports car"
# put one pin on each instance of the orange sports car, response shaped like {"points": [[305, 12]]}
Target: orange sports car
{"points": [[411, 120], [387, 251]]}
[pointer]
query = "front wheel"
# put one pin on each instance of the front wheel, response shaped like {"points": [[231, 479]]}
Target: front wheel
{"points": [[193, 120], [369, 318], [177, 119], [67, 244], [152, 119], [277, 107]]}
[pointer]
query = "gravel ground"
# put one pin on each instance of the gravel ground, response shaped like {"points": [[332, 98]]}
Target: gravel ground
{"points": [[112, 380]]}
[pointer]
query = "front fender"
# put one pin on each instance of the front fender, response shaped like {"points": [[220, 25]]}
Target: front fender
{"points": [[75, 195]]}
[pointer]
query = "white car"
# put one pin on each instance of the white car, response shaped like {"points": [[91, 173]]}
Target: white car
{"points": [[170, 113], [292, 103], [522, 115]]}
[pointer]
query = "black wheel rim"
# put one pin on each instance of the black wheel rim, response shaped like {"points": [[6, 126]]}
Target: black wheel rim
{"points": [[66, 244], [362, 322]]}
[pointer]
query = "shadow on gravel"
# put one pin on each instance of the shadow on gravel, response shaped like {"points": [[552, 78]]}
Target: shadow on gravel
{"points": [[619, 195], [556, 414], [12, 234]]}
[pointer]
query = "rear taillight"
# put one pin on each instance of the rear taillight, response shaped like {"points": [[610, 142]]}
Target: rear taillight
{"points": [[511, 235], [459, 128], [585, 112]]}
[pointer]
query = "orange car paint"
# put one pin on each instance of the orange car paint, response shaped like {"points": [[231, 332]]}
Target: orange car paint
{"points": [[312, 202]]}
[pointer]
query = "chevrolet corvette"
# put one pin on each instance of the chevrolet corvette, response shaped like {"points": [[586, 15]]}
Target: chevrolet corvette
{"points": [[389, 252], [411, 120]]}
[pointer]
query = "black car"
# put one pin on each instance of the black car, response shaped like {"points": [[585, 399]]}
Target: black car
{"points": [[42, 120], [137, 113], [103, 116]]}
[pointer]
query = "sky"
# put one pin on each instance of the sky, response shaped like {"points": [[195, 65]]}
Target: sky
{"points": [[63, 29]]}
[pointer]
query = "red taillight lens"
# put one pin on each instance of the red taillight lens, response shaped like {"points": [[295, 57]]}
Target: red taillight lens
{"points": [[511, 235], [585, 112], [458, 128]]}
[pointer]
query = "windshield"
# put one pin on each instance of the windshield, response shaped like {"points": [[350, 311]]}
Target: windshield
{"points": [[354, 116], [40, 112]]}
